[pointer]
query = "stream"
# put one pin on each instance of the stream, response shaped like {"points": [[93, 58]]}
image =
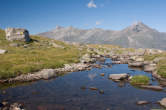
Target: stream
{"points": [[71, 91]]}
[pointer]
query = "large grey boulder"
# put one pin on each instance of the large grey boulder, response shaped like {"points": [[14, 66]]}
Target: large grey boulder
{"points": [[19, 34]]}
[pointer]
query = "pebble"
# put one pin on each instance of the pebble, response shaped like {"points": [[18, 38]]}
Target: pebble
{"points": [[101, 91], [102, 74], [142, 102], [93, 88]]}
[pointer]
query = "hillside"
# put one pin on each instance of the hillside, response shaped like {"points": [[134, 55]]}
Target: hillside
{"points": [[137, 35], [40, 53]]}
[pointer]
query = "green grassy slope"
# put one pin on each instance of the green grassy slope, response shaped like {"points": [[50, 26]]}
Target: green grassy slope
{"points": [[34, 56]]}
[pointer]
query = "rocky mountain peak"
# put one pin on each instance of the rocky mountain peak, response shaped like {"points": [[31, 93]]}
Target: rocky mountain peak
{"points": [[138, 27]]}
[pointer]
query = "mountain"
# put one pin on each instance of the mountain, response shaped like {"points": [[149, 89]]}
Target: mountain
{"points": [[138, 35]]}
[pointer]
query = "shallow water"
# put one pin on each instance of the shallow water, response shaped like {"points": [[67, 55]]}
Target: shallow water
{"points": [[66, 93]]}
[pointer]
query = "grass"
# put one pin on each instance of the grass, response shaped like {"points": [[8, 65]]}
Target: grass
{"points": [[152, 57], [161, 68], [140, 80], [39, 54], [108, 48]]}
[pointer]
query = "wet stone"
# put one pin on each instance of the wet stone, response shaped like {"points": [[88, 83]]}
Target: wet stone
{"points": [[93, 88], [4, 103], [142, 102], [102, 74], [156, 88], [83, 87], [3, 92], [101, 91]]}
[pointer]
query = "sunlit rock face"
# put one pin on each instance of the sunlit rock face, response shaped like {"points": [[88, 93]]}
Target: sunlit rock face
{"points": [[17, 34]]}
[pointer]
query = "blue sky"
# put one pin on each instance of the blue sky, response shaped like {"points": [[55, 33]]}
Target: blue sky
{"points": [[43, 15]]}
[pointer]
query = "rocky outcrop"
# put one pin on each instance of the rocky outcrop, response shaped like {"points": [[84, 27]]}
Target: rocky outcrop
{"points": [[2, 51], [19, 34]]}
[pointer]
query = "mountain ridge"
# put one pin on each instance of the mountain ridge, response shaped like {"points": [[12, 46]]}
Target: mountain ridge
{"points": [[137, 35]]}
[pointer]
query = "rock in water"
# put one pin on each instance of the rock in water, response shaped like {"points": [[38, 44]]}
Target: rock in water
{"points": [[102, 74], [156, 88], [150, 67], [16, 106], [19, 34], [142, 102], [163, 102], [118, 76]]}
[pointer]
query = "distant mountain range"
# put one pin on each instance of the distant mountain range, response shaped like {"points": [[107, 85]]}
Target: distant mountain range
{"points": [[137, 35]]}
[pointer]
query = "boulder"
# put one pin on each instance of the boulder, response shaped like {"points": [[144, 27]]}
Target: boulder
{"points": [[136, 64], [118, 76], [163, 102], [47, 73], [148, 62], [19, 34], [139, 59], [150, 67], [2, 51]]}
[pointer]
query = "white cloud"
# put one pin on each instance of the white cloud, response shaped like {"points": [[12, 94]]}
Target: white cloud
{"points": [[91, 4], [98, 23]]}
